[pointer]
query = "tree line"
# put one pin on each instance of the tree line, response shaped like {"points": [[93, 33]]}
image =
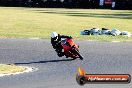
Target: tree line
{"points": [[51, 3]]}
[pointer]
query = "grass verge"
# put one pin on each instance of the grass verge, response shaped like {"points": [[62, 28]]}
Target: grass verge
{"points": [[7, 69], [17, 22]]}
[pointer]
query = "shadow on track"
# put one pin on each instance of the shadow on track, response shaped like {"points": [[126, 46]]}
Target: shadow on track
{"points": [[64, 60]]}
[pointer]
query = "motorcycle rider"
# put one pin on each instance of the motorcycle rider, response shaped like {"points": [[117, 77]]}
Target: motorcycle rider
{"points": [[56, 42]]}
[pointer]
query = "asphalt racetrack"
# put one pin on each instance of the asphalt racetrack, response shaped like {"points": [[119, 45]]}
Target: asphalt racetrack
{"points": [[55, 72]]}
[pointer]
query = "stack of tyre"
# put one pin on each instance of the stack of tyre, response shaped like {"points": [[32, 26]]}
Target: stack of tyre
{"points": [[105, 31]]}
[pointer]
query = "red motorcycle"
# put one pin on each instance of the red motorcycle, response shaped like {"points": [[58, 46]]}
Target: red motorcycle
{"points": [[71, 49]]}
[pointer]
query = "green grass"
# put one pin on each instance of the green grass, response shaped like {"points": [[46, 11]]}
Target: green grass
{"points": [[40, 22], [5, 69]]}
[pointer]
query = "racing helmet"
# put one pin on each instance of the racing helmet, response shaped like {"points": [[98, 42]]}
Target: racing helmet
{"points": [[54, 35]]}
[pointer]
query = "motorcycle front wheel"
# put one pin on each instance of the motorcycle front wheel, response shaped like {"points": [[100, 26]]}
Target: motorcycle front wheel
{"points": [[77, 52]]}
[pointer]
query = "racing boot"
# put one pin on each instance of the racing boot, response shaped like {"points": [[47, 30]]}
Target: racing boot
{"points": [[60, 54]]}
